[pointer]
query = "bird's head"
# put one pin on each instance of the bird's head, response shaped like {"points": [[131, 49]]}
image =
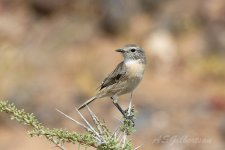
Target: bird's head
{"points": [[132, 52]]}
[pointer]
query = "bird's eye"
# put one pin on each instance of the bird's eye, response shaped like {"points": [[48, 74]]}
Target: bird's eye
{"points": [[133, 50]]}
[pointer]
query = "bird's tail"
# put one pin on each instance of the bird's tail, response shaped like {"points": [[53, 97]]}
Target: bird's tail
{"points": [[87, 102]]}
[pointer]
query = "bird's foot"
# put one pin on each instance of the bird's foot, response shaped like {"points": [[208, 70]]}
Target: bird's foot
{"points": [[129, 115], [128, 121]]}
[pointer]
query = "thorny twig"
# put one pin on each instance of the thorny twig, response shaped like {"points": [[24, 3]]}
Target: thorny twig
{"points": [[101, 133]]}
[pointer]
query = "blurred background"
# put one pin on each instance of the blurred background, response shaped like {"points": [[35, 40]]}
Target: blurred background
{"points": [[55, 53]]}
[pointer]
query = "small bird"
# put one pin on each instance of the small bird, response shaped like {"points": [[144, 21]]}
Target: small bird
{"points": [[125, 78]]}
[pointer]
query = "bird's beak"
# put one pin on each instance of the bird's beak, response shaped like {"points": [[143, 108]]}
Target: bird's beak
{"points": [[120, 50]]}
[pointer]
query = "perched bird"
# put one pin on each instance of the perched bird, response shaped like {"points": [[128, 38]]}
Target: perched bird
{"points": [[125, 78]]}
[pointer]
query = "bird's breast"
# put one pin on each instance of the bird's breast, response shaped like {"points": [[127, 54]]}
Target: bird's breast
{"points": [[135, 68]]}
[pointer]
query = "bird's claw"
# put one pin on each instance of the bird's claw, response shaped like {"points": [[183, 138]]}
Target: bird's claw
{"points": [[129, 116]]}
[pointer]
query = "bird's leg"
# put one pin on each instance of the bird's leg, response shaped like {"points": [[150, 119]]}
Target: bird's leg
{"points": [[129, 109], [115, 102], [126, 114]]}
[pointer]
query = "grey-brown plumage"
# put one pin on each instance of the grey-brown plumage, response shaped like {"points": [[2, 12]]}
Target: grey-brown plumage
{"points": [[126, 76]]}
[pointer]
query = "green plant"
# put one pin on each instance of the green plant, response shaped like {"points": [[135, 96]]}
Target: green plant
{"points": [[97, 135]]}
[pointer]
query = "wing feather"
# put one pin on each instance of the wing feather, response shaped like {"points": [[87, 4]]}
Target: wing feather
{"points": [[115, 76]]}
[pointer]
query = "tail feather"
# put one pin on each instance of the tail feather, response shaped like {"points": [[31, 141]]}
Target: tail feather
{"points": [[87, 102]]}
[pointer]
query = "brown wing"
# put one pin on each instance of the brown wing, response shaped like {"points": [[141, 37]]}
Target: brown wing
{"points": [[115, 76]]}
